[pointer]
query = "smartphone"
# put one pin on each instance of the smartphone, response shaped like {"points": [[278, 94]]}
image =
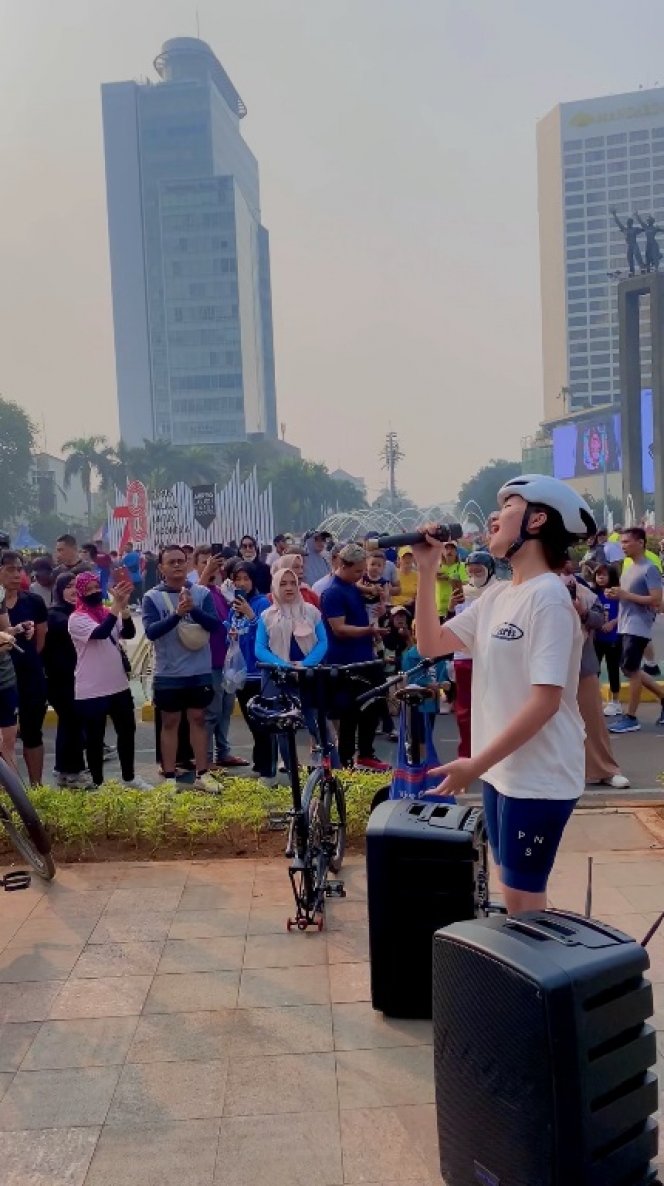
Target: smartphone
{"points": [[572, 590], [217, 549], [122, 576], [457, 585], [240, 595]]}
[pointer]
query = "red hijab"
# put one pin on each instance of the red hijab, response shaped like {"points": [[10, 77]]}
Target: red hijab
{"points": [[82, 583]]}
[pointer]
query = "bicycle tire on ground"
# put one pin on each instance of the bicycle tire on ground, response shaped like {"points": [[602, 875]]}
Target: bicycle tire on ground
{"points": [[334, 797], [30, 838]]}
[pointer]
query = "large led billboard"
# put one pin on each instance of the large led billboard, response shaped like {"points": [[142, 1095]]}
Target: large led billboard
{"points": [[594, 445]]}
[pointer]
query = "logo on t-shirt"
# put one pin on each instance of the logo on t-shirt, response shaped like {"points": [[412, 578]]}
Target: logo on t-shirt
{"points": [[508, 631]]}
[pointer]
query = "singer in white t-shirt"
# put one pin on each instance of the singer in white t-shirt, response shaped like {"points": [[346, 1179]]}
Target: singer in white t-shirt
{"points": [[525, 640]]}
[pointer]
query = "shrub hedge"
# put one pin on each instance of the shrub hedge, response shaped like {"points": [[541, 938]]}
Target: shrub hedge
{"points": [[162, 820]]}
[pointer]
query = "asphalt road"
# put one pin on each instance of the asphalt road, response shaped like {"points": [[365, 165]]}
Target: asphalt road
{"points": [[640, 755]]}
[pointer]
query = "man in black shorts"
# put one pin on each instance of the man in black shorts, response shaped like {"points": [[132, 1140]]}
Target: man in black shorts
{"points": [[178, 621], [640, 597], [28, 615]]}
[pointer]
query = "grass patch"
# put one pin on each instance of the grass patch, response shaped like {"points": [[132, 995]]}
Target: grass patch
{"points": [[114, 822]]}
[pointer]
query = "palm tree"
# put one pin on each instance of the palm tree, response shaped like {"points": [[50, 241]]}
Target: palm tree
{"points": [[87, 456]]}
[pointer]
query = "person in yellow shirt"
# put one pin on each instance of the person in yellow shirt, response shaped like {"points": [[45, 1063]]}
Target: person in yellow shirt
{"points": [[407, 575], [451, 574]]}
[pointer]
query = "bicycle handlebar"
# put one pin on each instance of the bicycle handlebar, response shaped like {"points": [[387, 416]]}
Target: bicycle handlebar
{"points": [[332, 670], [375, 693]]}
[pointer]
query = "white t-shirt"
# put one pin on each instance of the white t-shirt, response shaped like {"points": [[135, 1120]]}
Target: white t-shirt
{"points": [[520, 635]]}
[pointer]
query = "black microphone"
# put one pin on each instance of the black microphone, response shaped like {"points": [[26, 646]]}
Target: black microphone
{"points": [[443, 532]]}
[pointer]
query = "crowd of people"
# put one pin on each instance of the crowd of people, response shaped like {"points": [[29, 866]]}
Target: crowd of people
{"points": [[217, 615]]}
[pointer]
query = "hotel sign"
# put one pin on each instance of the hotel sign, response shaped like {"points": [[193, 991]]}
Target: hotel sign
{"points": [[583, 119]]}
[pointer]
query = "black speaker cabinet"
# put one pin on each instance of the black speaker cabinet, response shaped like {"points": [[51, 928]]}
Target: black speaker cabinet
{"points": [[426, 867], [543, 1053]]}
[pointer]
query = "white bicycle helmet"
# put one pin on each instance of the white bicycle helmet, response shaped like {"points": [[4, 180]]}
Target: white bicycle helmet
{"points": [[550, 492]]}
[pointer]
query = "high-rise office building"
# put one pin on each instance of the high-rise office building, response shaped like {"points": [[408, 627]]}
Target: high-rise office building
{"points": [[592, 156], [190, 259]]}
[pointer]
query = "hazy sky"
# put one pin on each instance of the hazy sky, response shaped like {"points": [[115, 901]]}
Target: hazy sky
{"points": [[396, 142]]}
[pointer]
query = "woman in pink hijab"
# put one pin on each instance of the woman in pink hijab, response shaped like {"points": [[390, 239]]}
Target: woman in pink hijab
{"points": [[101, 688]]}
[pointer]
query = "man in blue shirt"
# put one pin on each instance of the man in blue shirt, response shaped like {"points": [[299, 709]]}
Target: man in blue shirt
{"points": [[351, 639], [131, 560]]}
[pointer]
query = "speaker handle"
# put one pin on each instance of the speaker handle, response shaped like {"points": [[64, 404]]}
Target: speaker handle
{"points": [[542, 930]]}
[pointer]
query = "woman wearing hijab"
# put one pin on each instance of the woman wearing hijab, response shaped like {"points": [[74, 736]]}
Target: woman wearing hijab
{"points": [[241, 625], [295, 562], [101, 689], [249, 552], [291, 634], [59, 659]]}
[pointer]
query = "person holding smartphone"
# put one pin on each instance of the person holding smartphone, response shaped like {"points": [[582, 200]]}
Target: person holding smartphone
{"points": [[525, 640], [241, 626]]}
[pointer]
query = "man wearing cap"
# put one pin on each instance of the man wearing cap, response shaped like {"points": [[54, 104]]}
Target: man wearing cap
{"points": [[407, 577], [324, 583], [316, 559], [350, 640]]}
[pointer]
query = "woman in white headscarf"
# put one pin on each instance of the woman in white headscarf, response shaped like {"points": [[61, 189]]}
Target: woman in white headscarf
{"points": [[291, 634]]}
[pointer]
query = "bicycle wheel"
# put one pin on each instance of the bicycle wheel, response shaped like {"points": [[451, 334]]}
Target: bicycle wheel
{"points": [[29, 836], [333, 813]]}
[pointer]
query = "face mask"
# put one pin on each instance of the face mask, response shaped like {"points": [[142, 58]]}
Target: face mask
{"points": [[478, 582], [94, 598]]}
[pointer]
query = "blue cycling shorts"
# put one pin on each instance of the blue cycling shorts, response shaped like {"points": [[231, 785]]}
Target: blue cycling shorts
{"points": [[524, 835]]}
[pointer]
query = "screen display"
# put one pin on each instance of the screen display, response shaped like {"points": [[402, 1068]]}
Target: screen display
{"points": [[589, 446]]}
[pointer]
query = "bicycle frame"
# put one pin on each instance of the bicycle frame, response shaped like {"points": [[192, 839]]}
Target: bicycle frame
{"points": [[310, 885]]}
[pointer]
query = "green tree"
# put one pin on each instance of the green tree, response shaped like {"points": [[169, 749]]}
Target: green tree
{"points": [[17, 442], [88, 456], [47, 528], [159, 465], [484, 486]]}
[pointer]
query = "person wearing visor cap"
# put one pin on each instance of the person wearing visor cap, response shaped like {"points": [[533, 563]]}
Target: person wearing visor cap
{"points": [[525, 640]]}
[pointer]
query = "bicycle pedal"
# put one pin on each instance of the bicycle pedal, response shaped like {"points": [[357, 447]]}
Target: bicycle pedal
{"points": [[277, 823], [335, 887], [17, 879]]}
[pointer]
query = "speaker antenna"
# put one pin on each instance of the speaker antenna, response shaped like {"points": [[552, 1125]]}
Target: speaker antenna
{"points": [[589, 890]]}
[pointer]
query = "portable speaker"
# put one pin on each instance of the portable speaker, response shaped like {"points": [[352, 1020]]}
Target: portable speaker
{"points": [[542, 1054], [426, 867]]}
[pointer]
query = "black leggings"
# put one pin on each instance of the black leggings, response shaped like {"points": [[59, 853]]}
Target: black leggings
{"points": [[611, 651], [69, 737], [120, 708], [265, 747]]}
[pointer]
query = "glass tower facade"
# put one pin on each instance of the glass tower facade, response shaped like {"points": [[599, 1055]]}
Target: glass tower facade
{"points": [[592, 156], [190, 260]]}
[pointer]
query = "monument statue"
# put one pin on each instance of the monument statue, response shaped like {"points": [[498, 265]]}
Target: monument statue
{"points": [[630, 233], [651, 230]]}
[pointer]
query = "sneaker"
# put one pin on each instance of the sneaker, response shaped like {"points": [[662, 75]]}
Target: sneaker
{"points": [[660, 719], [613, 709], [652, 669], [138, 784], [109, 750], [232, 760], [82, 781], [170, 784], [374, 763], [625, 724], [617, 781], [269, 780], [207, 783]]}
